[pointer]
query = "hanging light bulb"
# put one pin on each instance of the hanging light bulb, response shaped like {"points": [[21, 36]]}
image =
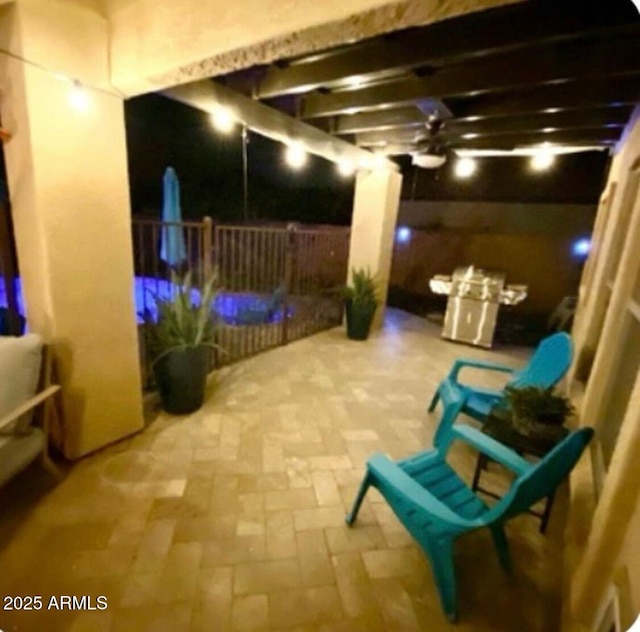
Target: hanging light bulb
{"points": [[296, 156], [222, 119], [346, 168], [542, 160], [465, 167], [78, 97]]}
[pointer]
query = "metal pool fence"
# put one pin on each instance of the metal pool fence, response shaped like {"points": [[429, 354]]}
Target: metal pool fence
{"points": [[146, 248], [279, 283]]}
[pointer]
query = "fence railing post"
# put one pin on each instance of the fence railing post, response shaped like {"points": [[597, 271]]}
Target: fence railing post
{"points": [[207, 246], [289, 254], [215, 261], [289, 263]]}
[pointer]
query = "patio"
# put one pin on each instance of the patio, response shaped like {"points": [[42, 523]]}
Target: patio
{"points": [[232, 518]]}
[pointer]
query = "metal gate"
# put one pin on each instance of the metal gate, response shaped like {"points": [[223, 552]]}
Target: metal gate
{"points": [[295, 274]]}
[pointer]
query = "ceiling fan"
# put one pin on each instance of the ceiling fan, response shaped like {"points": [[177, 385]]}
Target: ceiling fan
{"points": [[430, 152]]}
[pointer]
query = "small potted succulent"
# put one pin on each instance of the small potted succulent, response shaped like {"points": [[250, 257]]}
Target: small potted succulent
{"points": [[179, 338], [538, 412], [361, 302]]}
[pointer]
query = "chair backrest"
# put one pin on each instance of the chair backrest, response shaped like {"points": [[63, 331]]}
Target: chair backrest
{"points": [[544, 477], [20, 363], [453, 400], [548, 364]]}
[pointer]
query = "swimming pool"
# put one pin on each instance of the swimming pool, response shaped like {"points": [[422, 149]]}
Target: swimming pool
{"points": [[233, 308]]}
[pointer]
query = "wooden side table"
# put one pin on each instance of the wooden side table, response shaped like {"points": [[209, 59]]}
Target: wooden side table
{"points": [[498, 426]]}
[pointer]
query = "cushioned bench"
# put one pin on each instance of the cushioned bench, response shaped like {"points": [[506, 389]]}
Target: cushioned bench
{"points": [[24, 385]]}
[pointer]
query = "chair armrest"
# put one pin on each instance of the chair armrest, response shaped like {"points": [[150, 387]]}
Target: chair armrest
{"points": [[492, 448], [28, 405], [488, 393], [477, 364], [414, 494]]}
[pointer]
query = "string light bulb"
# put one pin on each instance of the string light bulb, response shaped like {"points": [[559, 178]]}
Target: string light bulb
{"points": [[465, 167], [222, 119], [346, 168], [296, 156], [78, 97], [542, 160]]}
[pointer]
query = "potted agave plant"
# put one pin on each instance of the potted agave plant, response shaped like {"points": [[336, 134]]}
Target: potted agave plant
{"points": [[179, 338], [361, 302], [538, 412]]}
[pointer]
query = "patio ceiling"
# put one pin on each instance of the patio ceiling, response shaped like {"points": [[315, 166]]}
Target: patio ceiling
{"points": [[501, 79]]}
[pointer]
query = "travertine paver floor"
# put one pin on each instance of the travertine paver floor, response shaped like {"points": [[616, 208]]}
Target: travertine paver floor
{"points": [[232, 518]]}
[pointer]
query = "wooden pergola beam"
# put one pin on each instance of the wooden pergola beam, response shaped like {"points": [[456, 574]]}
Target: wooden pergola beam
{"points": [[615, 117], [207, 95], [473, 36], [544, 65], [594, 91], [584, 137]]}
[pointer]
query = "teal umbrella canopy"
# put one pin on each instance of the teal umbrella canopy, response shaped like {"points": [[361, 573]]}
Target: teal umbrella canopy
{"points": [[172, 247]]}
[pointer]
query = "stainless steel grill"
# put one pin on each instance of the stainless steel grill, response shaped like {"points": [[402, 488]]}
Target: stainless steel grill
{"points": [[474, 298]]}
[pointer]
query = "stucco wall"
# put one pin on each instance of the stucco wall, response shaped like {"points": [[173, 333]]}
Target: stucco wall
{"points": [[499, 217], [158, 44], [64, 37], [543, 262], [530, 243]]}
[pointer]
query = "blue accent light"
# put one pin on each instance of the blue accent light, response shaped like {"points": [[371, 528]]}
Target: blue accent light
{"points": [[233, 309], [403, 235], [581, 247]]}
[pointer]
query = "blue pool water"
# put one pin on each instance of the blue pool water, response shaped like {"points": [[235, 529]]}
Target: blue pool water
{"points": [[248, 309], [3, 295], [233, 308]]}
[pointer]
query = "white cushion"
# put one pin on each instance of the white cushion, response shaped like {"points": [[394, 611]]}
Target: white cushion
{"points": [[20, 359]]}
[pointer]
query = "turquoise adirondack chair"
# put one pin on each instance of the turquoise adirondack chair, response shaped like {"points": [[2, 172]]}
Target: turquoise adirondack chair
{"points": [[547, 366], [436, 505]]}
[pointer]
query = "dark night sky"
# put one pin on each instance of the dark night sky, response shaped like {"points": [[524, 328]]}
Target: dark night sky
{"points": [[573, 179], [161, 132]]}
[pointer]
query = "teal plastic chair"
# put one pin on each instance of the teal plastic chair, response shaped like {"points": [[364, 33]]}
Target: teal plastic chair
{"points": [[436, 505], [547, 366]]}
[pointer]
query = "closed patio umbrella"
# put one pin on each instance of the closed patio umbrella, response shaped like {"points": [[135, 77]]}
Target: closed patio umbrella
{"points": [[172, 247]]}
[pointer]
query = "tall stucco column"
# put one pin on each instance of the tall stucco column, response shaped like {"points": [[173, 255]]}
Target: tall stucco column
{"points": [[68, 184], [619, 499], [614, 513], [375, 211]]}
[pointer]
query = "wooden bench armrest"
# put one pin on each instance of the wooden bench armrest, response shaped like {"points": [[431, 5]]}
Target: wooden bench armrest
{"points": [[28, 405]]}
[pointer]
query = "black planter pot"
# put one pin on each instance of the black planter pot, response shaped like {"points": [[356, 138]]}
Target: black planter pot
{"points": [[181, 376], [359, 319], [536, 429]]}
